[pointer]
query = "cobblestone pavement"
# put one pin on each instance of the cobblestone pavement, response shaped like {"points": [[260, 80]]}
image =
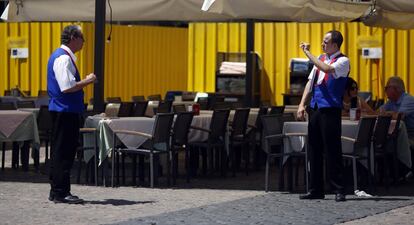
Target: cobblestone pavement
{"points": [[238, 200]]}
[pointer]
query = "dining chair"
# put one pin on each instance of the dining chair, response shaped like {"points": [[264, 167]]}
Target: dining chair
{"points": [[379, 143], [139, 109], [44, 126], [179, 108], [84, 131], [179, 142], [157, 143], [255, 133], [203, 101], [392, 149], [163, 107], [25, 104], [7, 106], [156, 97], [361, 146], [238, 138], [113, 100], [277, 110], [216, 140], [274, 137], [138, 98], [125, 109]]}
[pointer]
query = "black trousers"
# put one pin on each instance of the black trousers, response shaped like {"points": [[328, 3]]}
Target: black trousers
{"points": [[324, 132], [65, 135]]}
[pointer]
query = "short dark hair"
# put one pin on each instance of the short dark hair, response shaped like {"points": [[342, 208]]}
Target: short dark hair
{"points": [[336, 37], [70, 32]]}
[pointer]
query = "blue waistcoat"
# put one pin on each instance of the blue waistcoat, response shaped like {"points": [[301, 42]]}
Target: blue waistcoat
{"points": [[59, 101], [329, 93]]}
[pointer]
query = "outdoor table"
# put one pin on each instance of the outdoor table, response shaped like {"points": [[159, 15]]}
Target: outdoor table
{"points": [[19, 126], [349, 129]]}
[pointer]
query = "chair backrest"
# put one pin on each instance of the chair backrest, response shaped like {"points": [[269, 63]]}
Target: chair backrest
{"points": [[222, 105], [288, 117], [125, 109], [272, 125], [262, 111], [188, 96], [44, 119], [112, 109], [218, 124], [138, 98], [113, 100], [7, 93], [25, 104], [140, 108], [154, 97], [397, 124], [381, 131], [41, 93], [239, 124], [162, 129], [164, 107], [379, 103], [366, 95], [364, 133], [182, 127], [7, 106], [203, 101], [179, 108], [277, 110]]}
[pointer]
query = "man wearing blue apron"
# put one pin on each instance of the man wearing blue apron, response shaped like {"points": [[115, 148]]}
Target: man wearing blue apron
{"points": [[325, 87], [66, 106]]}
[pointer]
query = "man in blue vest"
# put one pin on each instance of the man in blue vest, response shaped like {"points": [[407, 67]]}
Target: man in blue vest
{"points": [[64, 87], [325, 87]]}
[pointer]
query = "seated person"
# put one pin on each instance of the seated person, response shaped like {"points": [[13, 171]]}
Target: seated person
{"points": [[399, 101], [352, 100]]}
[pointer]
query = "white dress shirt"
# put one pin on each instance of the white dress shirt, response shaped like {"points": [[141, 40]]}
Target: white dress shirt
{"points": [[341, 66], [65, 69]]}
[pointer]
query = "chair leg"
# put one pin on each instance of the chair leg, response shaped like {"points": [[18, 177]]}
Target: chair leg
{"points": [[245, 149], [151, 170], [79, 167], [187, 163], [95, 149], [267, 174], [281, 174], [134, 170], [113, 168], [204, 158], [3, 155], [354, 172], [123, 168]]}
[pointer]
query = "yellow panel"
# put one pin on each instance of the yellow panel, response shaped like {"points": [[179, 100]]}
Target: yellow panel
{"points": [[140, 60], [276, 43]]}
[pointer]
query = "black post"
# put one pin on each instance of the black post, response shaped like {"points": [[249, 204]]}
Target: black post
{"points": [[249, 97], [98, 89]]}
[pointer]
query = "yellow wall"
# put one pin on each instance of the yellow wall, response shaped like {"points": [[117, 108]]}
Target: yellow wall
{"points": [[139, 60], [276, 43]]}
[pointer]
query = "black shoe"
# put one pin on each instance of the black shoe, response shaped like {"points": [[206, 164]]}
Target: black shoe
{"points": [[68, 199], [340, 197], [70, 194], [311, 195]]}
